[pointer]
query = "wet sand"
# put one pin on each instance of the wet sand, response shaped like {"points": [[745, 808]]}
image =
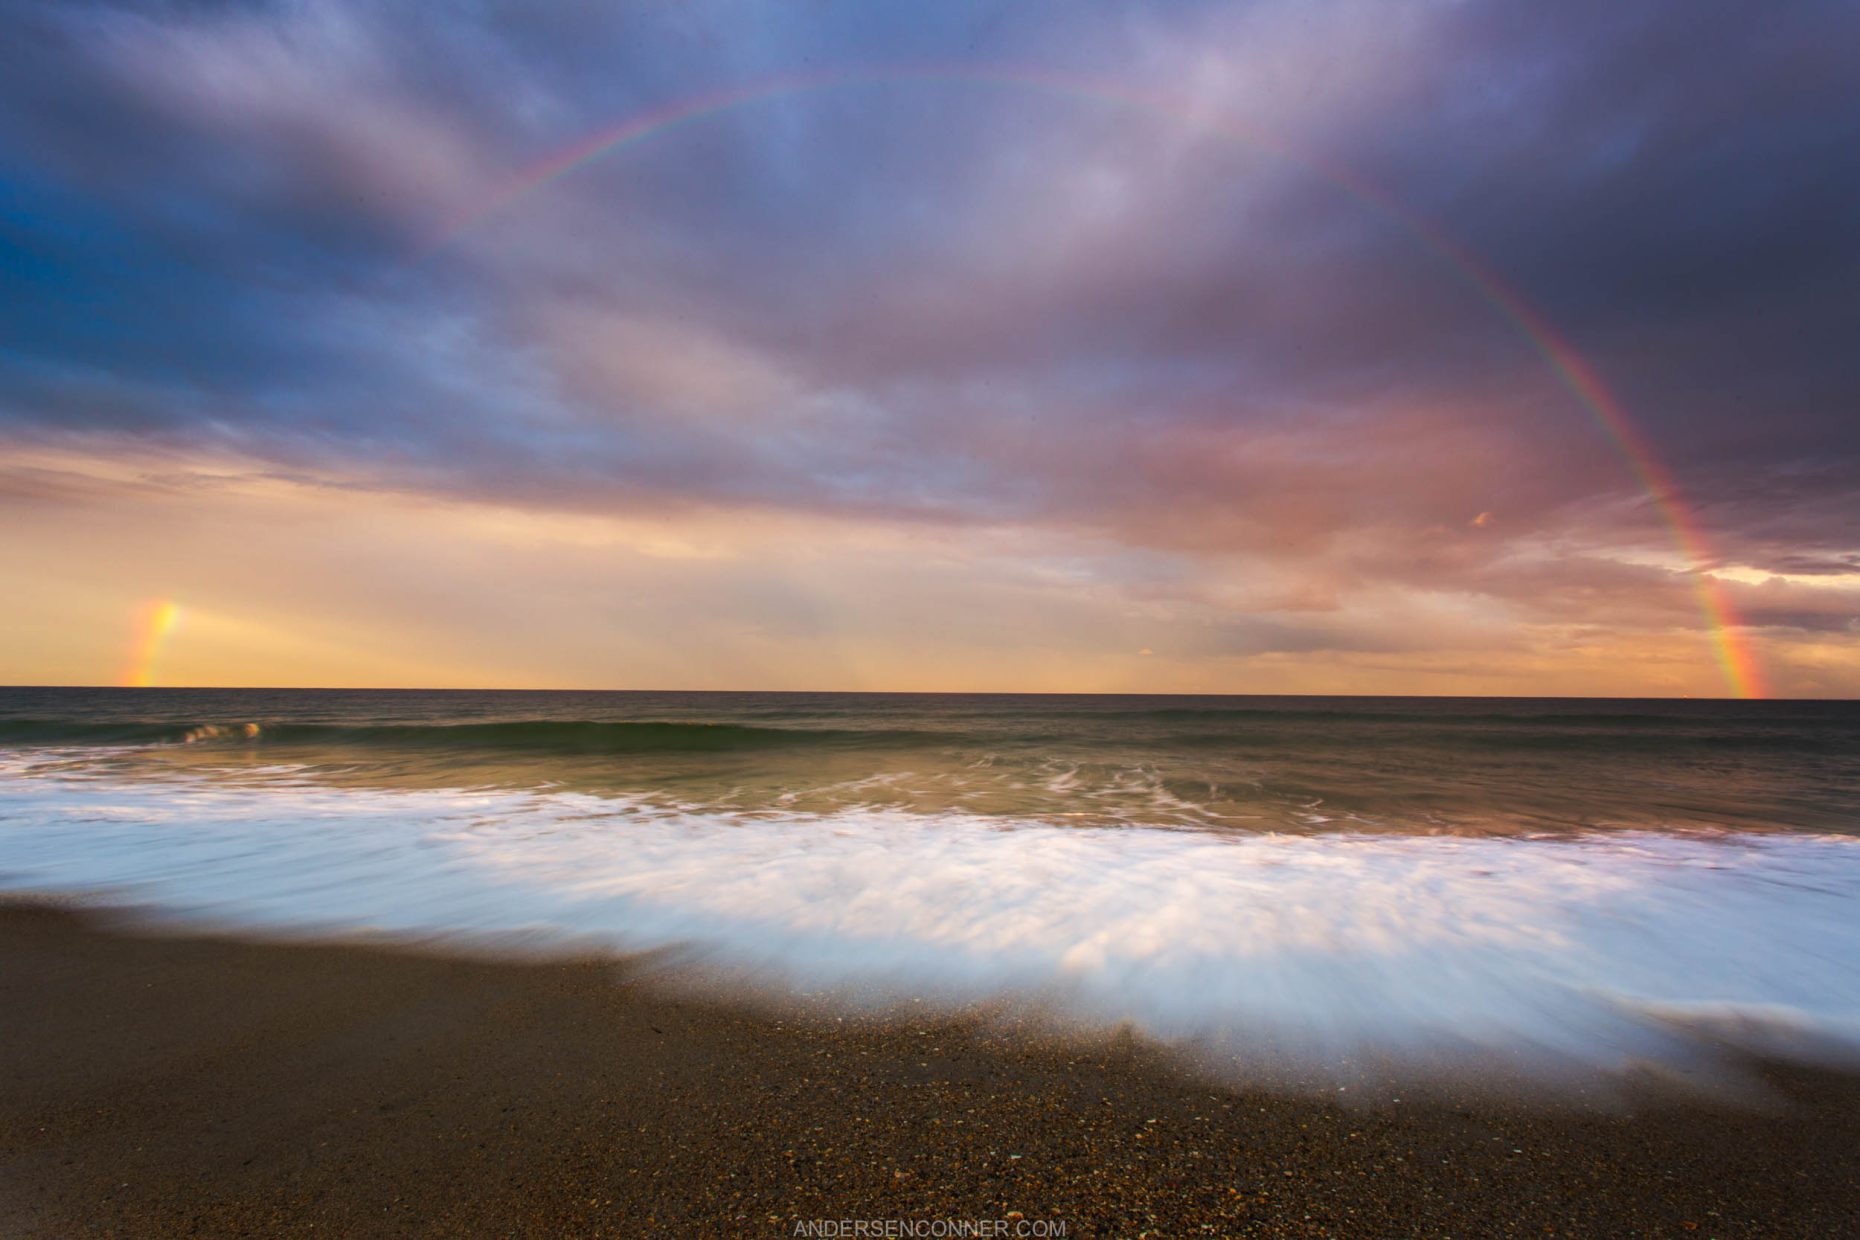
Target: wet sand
{"points": [[198, 1084]]}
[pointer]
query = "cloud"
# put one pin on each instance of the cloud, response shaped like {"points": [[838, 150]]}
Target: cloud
{"points": [[1214, 378]]}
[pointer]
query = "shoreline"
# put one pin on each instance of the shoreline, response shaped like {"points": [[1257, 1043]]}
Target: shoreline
{"points": [[175, 1081]]}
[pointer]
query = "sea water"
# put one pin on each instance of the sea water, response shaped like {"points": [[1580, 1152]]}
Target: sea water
{"points": [[1310, 888]]}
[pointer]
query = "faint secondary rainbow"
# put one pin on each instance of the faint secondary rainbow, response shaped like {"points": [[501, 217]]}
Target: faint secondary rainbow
{"points": [[1735, 658], [156, 621]]}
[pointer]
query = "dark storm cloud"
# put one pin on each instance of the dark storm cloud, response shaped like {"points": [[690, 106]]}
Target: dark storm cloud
{"points": [[1676, 185], [972, 303]]}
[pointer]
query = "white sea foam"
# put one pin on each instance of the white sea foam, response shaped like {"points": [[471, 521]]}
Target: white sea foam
{"points": [[1274, 952]]}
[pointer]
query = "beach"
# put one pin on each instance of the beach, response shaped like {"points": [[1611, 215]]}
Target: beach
{"points": [[565, 964], [162, 1081]]}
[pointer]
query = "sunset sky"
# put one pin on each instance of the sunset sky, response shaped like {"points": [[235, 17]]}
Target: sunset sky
{"points": [[1458, 347]]}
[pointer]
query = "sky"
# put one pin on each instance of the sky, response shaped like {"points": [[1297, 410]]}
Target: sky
{"points": [[1456, 347]]}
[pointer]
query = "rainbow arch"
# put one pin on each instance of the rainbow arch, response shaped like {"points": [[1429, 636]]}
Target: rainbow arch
{"points": [[1736, 660]]}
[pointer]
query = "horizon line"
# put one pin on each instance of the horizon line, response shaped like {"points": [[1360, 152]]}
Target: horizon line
{"points": [[1538, 697]]}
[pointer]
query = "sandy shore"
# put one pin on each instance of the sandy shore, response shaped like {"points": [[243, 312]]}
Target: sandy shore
{"points": [[204, 1085]]}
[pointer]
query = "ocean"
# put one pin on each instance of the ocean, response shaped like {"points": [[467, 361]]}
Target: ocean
{"points": [[1313, 888]]}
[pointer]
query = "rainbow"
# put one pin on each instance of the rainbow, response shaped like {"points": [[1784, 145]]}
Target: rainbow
{"points": [[156, 620], [1736, 660]]}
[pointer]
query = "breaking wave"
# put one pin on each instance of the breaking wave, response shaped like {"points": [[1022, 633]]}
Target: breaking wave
{"points": [[1315, 956]]}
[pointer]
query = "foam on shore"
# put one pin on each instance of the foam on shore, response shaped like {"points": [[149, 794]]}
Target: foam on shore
{"points": [[1309, 954]]}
